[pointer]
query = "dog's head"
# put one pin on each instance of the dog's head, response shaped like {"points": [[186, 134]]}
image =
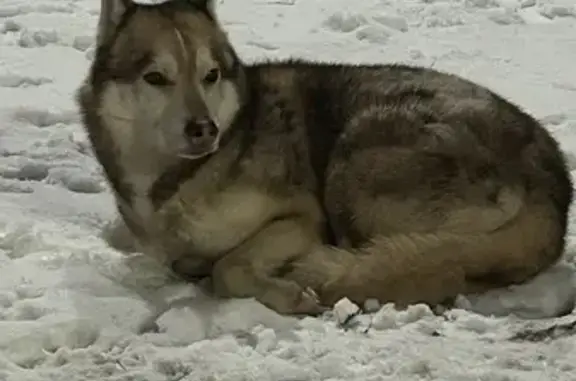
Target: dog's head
{"points": [[166, 76]]}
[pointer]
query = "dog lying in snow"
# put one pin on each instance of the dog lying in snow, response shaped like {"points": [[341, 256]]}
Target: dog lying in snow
{"points": [[299, 183]]}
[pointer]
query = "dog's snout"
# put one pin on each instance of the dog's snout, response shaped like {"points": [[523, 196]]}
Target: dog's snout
{"points": [[202, 137], [201, 130]]}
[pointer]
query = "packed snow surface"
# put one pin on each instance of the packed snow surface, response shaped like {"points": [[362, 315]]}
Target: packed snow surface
{"points": [[71, 308]]}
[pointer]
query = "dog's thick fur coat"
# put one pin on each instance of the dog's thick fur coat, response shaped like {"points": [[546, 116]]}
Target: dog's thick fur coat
{"points": [[392, 182]]}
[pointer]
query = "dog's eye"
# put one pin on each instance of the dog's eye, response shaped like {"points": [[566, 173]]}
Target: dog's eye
{"points": [[212, 76], [155, 78]]}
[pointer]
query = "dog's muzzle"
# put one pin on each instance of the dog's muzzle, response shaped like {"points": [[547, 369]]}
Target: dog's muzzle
{"points": [[202, 137]]}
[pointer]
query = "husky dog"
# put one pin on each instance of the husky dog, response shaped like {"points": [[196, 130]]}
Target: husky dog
{"points": [[299, 183]]}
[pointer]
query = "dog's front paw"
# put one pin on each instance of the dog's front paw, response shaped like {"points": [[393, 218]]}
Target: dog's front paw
{"points": [[192, 269], [309, 303]]}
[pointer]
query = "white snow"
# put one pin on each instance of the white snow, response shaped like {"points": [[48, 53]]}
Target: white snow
{"points": [[71, 308]]}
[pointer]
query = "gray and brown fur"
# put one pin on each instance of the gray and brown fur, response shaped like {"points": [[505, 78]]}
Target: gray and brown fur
{"points": [[362, 181]]}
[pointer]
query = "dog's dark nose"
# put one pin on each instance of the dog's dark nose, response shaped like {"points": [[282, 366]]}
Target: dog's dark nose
{"points": [[200, 131]]}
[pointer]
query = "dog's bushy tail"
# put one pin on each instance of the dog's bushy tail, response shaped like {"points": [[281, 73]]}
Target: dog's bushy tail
{"points": [[435, 267]]}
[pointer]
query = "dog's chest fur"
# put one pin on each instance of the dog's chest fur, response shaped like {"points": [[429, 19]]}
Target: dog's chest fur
{"points": [[215, 223], [212, 207]]}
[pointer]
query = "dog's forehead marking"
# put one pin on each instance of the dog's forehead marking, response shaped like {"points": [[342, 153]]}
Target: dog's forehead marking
{"points": [[194, 42], [182, 44], [177, 41]]}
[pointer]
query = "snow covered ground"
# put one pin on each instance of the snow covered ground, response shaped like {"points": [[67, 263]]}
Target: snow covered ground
{"points": [[70, 307]]}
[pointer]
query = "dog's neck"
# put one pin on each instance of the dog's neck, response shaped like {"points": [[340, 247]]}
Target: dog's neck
{"points": [[141, 168], [142, 165]]}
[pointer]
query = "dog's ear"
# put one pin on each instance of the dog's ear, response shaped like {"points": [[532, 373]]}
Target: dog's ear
{"points": [[111, 12], [209, 6]]}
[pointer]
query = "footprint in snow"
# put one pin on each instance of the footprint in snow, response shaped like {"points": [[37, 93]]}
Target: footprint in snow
{"points": [[38, 38], [376, 31], [11, 11], [27, 310], [373, 34], [552, 11], [75, 180], [15, 80], [46, 118], [263, 45], [10, 26], [33, 171], [344, 22], [554, 119], [395, 22], [83, 43]]}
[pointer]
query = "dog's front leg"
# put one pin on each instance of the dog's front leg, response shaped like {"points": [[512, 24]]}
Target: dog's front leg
{"points": [[119, 237], [254, 268]]}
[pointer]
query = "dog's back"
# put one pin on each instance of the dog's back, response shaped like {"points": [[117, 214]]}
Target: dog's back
{"points": [[436, 186]]}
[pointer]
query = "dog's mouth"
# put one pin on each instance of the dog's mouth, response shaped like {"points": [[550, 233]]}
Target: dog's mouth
{"points": [[195, 152]]}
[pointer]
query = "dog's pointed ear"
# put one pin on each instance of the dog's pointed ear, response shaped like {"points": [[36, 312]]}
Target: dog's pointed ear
{"points": [[208, 5], [111, 12]]}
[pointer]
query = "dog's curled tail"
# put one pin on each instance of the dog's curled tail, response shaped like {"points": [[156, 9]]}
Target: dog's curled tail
{"points": [[490, 249]]}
